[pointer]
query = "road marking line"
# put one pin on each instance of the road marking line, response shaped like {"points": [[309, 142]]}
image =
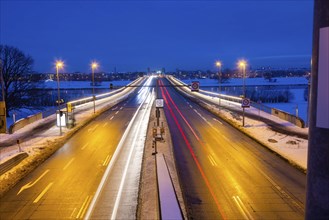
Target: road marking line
{"points": [[84, 207], [283, 193], [111, 118], [124, 175], [226, 138], [84, 146], [196, 111], [114, 158], [68, 164], [121, 108], [212, 163], [212, 160], [215, 119], [73, 212], [30, 184], [117, 112], [107, 160], [43, 192], [105, 124], [242, 207]]}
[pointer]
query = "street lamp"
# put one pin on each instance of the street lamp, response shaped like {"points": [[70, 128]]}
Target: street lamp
{"points": [[59, 65], [243, 64], [219, 65], [94, 66]]}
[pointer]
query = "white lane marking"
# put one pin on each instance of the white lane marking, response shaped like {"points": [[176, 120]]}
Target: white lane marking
{"points": [[283, 193], [30, 184], [191, 106], [111, 118], [107, 160], [226, 138], [243, 209], [84, 146], [118, 198], [105, 124], [116, 112], [93, 129], [84, 207], [121, 108], [109, 167], [68, 164], [196, 111], [71, 216], [43, 192], [212, 160], [215, 119]]}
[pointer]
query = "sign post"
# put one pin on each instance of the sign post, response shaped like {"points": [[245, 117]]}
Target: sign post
{"points": [[245, 104]]}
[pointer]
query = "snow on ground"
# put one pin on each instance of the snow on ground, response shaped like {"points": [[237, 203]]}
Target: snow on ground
{"points": [[33, 146], [83, 84], [292, 148], [297, 102], [252, 81]]}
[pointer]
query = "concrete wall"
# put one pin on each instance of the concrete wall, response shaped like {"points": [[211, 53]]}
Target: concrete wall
{"points": [[288, 117], [23, 122]]}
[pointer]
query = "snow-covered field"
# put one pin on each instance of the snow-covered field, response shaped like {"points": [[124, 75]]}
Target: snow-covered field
{"points": [[252, 81], [84, 84], [296, 106]]}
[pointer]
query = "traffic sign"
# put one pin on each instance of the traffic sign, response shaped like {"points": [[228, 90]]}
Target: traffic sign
{"points": [[245, 103], [159, 103], [195, 86]]}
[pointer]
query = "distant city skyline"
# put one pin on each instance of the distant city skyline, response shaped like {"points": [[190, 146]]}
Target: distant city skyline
{"points": [[135, 35]]}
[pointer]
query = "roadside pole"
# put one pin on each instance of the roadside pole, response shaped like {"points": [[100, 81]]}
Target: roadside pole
{"points": [[317, 193]]}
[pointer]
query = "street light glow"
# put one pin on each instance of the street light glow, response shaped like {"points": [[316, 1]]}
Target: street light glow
{"points": [[59, 64], [94, 65], [242, 63], [218, 64]]}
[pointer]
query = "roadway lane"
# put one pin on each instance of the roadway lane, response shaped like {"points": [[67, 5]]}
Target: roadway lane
{"points": [[117, 195], [226, 175], [64, 185]]}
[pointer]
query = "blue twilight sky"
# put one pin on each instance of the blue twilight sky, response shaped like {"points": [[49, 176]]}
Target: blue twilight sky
{"points": [[134, 35]]}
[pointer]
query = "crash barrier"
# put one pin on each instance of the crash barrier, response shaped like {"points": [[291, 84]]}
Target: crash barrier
{"points": [[30, 119], [70, 105], [276, 112], [23, 122], [12, 162], [169, 206]]}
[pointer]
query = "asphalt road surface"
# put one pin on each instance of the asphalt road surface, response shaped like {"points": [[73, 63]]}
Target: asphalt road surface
{"points": [[225, 174], [64, 186]]}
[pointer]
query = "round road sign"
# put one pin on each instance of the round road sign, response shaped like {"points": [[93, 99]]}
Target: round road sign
{"points": [[246, 102]]}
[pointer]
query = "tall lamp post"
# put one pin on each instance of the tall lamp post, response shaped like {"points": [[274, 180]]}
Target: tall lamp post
{"points": [[94, 66], [242, 65], [59, 65], [219, 65]]}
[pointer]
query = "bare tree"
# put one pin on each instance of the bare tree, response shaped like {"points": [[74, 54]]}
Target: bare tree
{"points": [[16, 69]]}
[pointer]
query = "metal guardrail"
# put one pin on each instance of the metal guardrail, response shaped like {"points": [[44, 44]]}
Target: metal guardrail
{"points": [[32, 118], [6, 166]]}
